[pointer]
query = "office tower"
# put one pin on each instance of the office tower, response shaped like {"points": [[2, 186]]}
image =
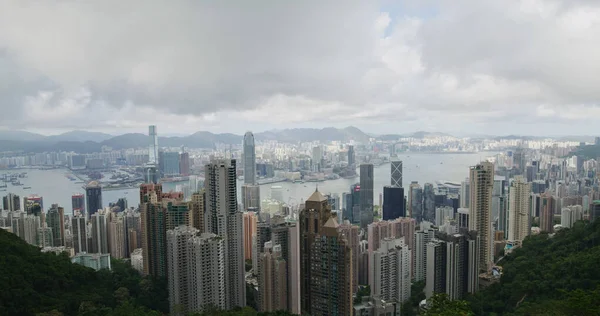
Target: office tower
{"points": [[547, 205], [99, 233], [249, 233], [117, 236], [366, 195], [452, 265], [394, 205], [251, 197], [391, 265], [196, 273], [272, 280], [151, 172], [462, 217], [78, 204], [396, 174], [481, 184], [249, 159], [225, 220], [415, 201], [519, 208], [351, 233], [184, 164], [168, 163], [353, 205], [197, 207], [153, 148], [93, 196], [316, 157], [11, 202], [465, 191], [428, 202], [79, 233], [422, 237], [351, 156], [55, 219], [325, 261], [263, 235], [33, 205], [442, 214]]}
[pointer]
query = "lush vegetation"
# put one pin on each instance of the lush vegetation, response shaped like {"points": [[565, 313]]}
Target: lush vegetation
{"points": [[442, 306], [556, 275], [36, 283]]}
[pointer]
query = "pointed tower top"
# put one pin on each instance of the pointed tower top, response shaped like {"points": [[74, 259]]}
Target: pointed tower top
{"points": [[316, 197]]}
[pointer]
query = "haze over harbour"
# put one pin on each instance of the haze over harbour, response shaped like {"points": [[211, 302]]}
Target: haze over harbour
{"points": [[54, 187]]}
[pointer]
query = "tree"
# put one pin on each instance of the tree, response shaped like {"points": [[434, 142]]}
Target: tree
{"points": [[439, 304]]}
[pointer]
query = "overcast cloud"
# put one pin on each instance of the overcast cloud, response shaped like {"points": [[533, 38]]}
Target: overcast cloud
{"points": [[463, 66]]}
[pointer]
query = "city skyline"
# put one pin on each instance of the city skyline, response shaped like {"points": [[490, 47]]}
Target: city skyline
{"points": [[391, 69]]}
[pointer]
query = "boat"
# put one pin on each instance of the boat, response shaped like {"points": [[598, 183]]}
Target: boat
{"points": [[26, 188]]}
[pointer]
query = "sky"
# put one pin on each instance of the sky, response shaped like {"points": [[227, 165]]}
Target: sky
{"points": [[528, 67]]}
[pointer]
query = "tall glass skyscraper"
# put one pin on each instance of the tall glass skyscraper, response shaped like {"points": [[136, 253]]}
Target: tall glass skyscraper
{"points": [[366, 195], [249, 159], [153, 149], [93, 195]]}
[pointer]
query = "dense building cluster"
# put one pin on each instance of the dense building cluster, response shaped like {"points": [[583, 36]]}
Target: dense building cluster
{"points": [[318, 256]]}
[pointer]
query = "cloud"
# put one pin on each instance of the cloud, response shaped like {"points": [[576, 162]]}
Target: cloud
{"points": [[235, 65]]}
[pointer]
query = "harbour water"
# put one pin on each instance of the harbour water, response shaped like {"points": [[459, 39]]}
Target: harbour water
{"points": [[55, 187]]}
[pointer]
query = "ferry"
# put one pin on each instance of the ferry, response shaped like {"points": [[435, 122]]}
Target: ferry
{"points": [[26, 188]]}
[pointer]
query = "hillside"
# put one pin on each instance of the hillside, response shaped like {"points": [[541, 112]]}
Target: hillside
{"points": [[556, 275], [36, 283]]}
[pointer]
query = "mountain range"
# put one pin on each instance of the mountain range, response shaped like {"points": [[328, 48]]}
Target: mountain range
{"points": [[86, 142]]}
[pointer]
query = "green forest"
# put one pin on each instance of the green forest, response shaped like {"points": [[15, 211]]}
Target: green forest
{"points": [[46, 284], [548, 275]]}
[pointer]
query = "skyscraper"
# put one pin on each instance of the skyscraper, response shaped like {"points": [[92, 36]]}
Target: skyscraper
{"points": [[33, 205], [465, 191], [251, 197], [481, 178], [351, 232], [184, 164], [249, 159], [151, 169], [428, 202], [391, 271], [366, 195], [197, 207], [11, 202], [249, 233], [153, 146], [351, 156], [168, 163], [93, 196], [79, 233], [159, 213], [452, 265], [415, 201], [519, 210], [78, 204], [325, 261], [394, 205], [225, 220], [272, 280], [196, 272], [55, 219], [396, 174], [99, 233], [547, 205]]}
